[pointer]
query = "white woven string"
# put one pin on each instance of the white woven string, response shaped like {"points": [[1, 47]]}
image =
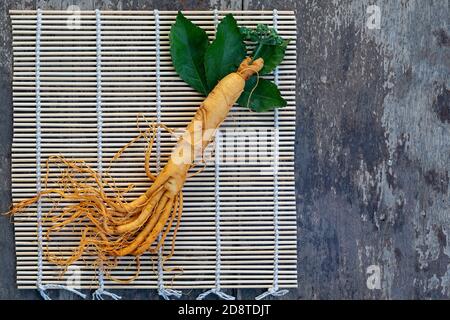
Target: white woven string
{"points": [[216, 19], [98, 102], [164, 292], [41, 287], [38, 142], [275, 291], [100, 292], [44, 287], [216, 290]]}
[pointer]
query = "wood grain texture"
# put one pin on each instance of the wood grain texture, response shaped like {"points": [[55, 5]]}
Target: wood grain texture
{"points": [[372, 153], [373, 149]]}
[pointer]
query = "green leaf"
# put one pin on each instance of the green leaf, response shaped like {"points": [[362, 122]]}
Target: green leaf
{"points": [[265, 96], [272, 55], [188, 45], [225, 53]]}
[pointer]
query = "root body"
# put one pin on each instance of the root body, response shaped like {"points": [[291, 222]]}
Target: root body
{"points": [[116, 228]]}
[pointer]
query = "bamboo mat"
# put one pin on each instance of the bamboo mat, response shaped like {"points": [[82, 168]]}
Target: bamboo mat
{"points": [[68, 120]]}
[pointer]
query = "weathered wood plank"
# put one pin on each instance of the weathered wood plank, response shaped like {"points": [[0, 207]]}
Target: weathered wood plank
{"points": [[373, 149]]}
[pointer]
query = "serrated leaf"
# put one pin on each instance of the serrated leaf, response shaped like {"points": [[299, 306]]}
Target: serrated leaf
{"points": [[265, 96], [188, 45], [273, 55], [225, 53]]}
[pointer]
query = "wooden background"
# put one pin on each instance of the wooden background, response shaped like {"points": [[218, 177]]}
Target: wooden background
{"points": [[372, 147]]}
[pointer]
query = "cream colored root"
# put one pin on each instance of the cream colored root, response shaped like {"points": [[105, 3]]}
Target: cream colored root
{"points": [[164, 233], [211, 113], [146, 230], [130, 228], [144, 246], [141, 218]]}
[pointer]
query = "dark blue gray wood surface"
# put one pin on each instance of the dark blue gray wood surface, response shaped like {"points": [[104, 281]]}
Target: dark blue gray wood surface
{"points": [[372, 151]]}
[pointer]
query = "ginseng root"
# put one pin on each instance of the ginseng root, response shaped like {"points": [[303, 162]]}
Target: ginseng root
{"points": [[115, 228]]}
